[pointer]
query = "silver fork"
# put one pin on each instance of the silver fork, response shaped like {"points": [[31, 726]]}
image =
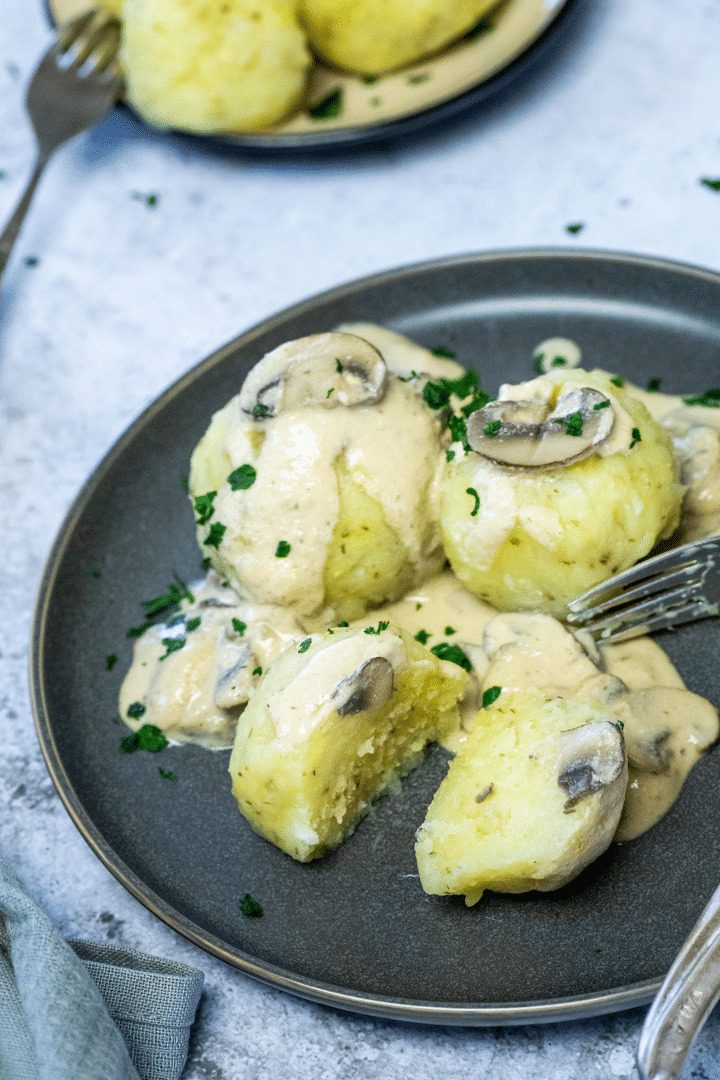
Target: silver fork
{"points": [[679, 586], [76, 83]]}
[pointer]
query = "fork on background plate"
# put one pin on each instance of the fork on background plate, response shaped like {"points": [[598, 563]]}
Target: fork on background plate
{"points": [[679, 586], [76, 83]]}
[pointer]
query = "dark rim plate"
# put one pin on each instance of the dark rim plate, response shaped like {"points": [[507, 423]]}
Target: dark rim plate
{"points": [[354, 930], [403, 102]]}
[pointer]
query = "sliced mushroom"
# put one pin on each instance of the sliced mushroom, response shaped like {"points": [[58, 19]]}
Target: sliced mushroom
{"points": [[369, 687], [526, 434], [323, 369], [233, 682], [592, 757]]}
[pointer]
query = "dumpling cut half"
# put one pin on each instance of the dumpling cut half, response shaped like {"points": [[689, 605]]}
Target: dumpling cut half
{"points": [[533, 796], [336, 720]]}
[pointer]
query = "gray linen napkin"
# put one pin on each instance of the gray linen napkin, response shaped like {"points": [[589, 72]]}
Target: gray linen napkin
{"points": [[56, 1002]]}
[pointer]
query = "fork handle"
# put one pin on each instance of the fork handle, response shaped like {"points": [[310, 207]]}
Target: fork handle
{"points": [[685, 1000], [10, 233]]}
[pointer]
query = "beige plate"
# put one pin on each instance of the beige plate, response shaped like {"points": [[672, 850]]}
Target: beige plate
{"points": [[383, 107]]}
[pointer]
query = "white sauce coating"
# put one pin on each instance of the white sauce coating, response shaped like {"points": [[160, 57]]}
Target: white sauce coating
{"points": [[557, 352]]}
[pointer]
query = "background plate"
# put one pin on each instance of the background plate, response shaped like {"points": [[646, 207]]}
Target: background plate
{"points": [[354, 929], [464, 74]]}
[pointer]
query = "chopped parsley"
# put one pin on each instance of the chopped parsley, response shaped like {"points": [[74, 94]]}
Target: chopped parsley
{"points": [[458, 431], [653, 386], [408, 378], [450, 630], [480, 399], [138, 631], [442, 350], [338, 367], [176, 591], [620, 724], [242, 478], [260, 410], [437, 394], [473, 494], [711, 399], [204, 508], [110, 661], [714, 185], [282, 550], [250, 908], [491, 695], [167, 775], [617, 380], [636, 437], [422, 636], [31, 260], [601, 405], [492, 429], [305, 645], [343, 624], [172, 644], [449, 455], [453, 653], [382, 625], [418, 605], [136, 710], [576, 227], [239, 627], [330, 391], [257, 671], [148, 737], [483, 26], [213, 538], [421, 77], [369, 79], [206, 563], [329, 107], [573, 423], [558, 361], [538, 363], [149, 200], [192, 624]]}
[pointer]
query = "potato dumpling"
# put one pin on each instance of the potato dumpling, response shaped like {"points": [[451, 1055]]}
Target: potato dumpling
{"points": [[206, 67], [565, 481], [532, 797], [317, 487], [336, 720], [370, 37]]}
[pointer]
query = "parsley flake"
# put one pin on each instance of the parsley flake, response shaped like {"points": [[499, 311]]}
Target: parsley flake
{"points": [[601, 405], [338, 367], [492, 429], [483, 26], [213, 538], [282, 550], [257, 671], [450, 630], [449, 455], [206, 563], [329, 107], [653, 385], [479, 400], [442, 350], [136, 710], [330, 391], [422, 636], [620, 724], [192, 624], [617, 380], [172, 644], [176, 591], [138, 631], [711, 399], [421, 77], [473, 494], [167, 775], [148, 737], [636, 437], [260, 410], [239, 627], [453, 653], [573, 423], [110, 661], [491, 695], [343, 624], [250, 908], [382, 625], [305, 645], [575, 228], [714, 185], [203, 506], [242, 478]]}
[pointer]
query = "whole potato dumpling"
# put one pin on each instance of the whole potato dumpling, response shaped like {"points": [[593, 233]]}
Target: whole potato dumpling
{"points": [[563, 482], [317, 487], [370, 37], [207, 67], [531, 798]]}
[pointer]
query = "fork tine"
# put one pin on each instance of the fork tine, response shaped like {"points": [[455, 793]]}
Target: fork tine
{"points": [[666, 609], [664, 620], [669, 561], [686, 577], [96, 37], [70, 31]]}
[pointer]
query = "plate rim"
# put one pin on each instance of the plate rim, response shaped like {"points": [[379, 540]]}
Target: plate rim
{"points": [[356, 136], [420, 1011]]}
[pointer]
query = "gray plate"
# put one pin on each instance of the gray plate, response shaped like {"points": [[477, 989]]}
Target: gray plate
{"points": [[354, 930]]}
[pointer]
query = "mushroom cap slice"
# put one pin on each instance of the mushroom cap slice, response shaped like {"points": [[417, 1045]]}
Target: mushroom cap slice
{"points": [[329, 370], [527, 434], [592, 757], [369, 687]]}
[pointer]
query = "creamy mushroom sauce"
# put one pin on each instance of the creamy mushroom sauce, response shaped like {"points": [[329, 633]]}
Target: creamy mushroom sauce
{"points": [[557, 352], [195, 694]]}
